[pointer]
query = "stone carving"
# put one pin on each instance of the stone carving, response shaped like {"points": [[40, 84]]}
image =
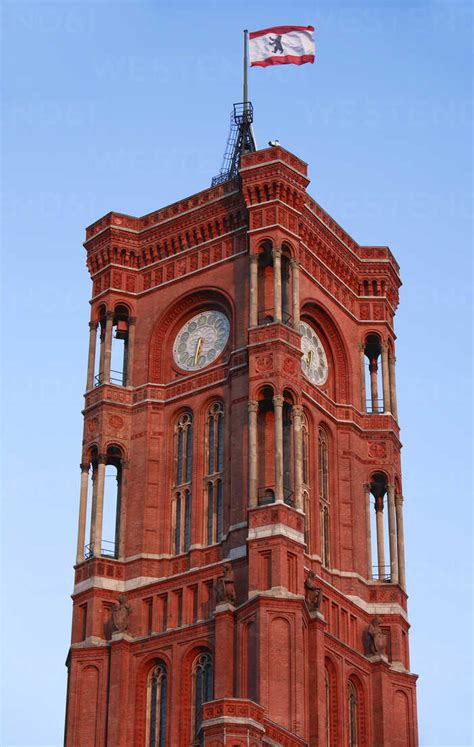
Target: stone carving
{"points": [[313, 595], [377, 449], [121, 614], [377, 639], [225, 586]]}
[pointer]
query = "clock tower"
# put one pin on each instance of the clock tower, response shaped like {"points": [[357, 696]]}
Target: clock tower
{"points": [[240, 570]]}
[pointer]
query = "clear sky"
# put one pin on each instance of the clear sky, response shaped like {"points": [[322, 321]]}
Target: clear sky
{"points": [[125, 106]]}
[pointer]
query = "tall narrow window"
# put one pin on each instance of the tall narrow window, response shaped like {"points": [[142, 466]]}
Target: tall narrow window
{"points": [[214, 472], [156, 706], [323, 465], [328, 707], [203, 687], [352, 706], [182, 484], [306, 492], [323, 482]]}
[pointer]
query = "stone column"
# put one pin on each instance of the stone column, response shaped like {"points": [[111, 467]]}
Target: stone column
{"points": [[385, 380], [393, 388], [368, 534], [295, 289], [99, 507], [91, 357], [297, 413], [400, 541], [380, 544], [128, 356], [93, 509], [81, 531], [276, 284], [392, 534], [253, 291], [374, 392], [253, 412], [278, 415], [362, 377], [105, 373]]}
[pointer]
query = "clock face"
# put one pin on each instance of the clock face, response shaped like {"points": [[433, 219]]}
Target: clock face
{"points": [[314, 363], [201, 340]]}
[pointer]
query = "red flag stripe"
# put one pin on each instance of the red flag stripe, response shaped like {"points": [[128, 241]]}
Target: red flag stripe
{"points": [[279, 30], [288, 59]]}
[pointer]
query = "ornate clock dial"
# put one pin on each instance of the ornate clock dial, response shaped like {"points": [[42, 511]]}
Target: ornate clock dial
{"points": [[313, 362], [201, 340]]}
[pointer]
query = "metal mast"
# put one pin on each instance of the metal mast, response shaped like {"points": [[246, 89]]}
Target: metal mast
{"points": [[241, 138]]}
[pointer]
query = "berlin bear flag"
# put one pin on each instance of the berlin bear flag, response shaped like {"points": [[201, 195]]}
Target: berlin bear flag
{"points": [[282, 45]]}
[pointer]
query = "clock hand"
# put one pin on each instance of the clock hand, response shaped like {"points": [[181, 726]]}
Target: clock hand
{"points": [[198, 350], [309, 358]]}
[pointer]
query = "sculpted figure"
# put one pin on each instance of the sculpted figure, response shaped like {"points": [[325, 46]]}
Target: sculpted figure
{"points": [[312, 593], [225, 586], [121, 613], [377, 638]]}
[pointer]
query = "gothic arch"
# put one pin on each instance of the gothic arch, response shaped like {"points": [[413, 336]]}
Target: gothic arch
{"points": [[166, 325], [329, 331]]}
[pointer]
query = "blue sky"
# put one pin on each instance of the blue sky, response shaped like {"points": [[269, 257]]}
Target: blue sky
{"points": [[125, 106]]}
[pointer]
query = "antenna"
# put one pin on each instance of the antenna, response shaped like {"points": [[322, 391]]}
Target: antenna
{"points": [[241, 138]]}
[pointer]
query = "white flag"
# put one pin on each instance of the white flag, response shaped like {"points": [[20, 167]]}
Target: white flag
{"points": [[282, 45]]}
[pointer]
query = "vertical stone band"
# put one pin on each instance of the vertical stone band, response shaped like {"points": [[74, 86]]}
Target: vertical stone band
{"points": [[252, 456], [277, 284], [253, 292], [91, 356], [400, 541], [368, 534], [385, 380], [392, 535], [278, 415], [297, 413], [295, 288], [81, 529]]}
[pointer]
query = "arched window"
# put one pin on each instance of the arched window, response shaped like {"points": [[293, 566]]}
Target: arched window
{"points": [[215, 472], [323, 482], [353, 715], [203, 687], [183, 483], [157, 693]]}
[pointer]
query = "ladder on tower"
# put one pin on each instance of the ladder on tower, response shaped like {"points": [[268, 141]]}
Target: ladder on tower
{"points": [[241, 140]]}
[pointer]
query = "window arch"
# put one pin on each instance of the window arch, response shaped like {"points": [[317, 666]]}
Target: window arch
{"points": [[203, 687], [215, 472], [182, 489], [323, 486], [157, 696]]}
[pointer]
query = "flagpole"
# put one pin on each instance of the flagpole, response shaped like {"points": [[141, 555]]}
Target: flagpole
{"points": [[246, 92]]}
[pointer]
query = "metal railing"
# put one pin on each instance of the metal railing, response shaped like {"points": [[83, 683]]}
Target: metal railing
{"points": [[118, 379], [107, 550], [382, 573], [374, 408], [266, 316]]}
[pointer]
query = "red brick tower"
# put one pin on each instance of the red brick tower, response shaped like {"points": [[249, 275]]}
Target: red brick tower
{"points": [[240, 573]]}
